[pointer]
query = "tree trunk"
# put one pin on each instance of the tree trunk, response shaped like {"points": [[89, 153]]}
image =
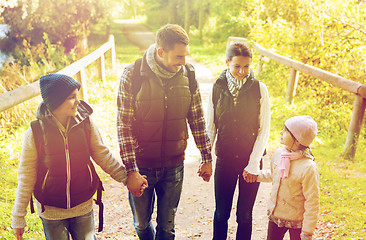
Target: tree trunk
{"points": [[83, 45], [187, 8], [107, 31], [201, 18], [173, 12]]}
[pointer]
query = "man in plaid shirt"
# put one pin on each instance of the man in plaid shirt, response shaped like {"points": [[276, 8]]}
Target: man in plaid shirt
{"points": [[152, 130]]}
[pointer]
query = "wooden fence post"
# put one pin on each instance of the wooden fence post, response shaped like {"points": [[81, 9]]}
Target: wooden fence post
{"points": [[354, 127], [101, 68], [81, 77], [291, 86], [259, 67]]}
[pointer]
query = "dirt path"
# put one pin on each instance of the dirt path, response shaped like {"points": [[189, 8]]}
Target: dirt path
{"points": [[195, 212]]}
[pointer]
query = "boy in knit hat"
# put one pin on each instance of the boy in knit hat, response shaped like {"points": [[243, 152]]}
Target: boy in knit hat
{"points": [[57, 168], [294, 200]]}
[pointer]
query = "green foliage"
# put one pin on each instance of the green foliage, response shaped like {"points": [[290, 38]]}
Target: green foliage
{"points": [[233, 22], [161, 12], [212, 55], [65, 21], [127, 9], [30, 62]]}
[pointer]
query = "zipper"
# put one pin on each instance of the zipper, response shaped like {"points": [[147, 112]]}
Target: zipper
{"points": [[44, 180], [68, 170], [163, 140], [91, 175]]}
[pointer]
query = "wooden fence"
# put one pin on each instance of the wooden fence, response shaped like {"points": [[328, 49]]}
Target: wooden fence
{"points": [[354, 87], [77, 69]]}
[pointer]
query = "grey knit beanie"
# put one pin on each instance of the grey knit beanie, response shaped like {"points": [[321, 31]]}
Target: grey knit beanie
{"points": [[55, 88]]}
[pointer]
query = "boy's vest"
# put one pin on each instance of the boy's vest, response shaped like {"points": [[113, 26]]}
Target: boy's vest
{"points": [[66, 177], [160, 116]]}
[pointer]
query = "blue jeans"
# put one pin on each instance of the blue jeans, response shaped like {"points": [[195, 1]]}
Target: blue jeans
{"points": [[167, 184], [80, 228], [226, 178]]}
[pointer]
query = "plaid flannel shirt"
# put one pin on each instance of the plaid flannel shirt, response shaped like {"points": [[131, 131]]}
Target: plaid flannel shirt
{"points": [[125, 119]]}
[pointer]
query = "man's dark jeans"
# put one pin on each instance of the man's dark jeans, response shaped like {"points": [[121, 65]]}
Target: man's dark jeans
{"points": [[167, 184]]}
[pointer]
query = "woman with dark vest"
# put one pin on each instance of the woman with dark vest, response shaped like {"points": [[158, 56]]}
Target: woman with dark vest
{"points": [[58, 169], [239, 115]]}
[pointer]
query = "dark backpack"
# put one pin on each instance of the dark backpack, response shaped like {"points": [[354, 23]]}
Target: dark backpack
{"points": [[37, 131], [137, 79]]}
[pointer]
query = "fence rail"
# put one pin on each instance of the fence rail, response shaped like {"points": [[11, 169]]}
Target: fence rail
{"points": [[354, 87], [14, 97]]}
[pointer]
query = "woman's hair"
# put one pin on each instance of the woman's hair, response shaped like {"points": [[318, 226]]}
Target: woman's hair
{"points": [[301, 147], [238, 49], [169, 35]]}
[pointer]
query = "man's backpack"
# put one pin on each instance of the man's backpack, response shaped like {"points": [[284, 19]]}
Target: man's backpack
{"points": [[137, 79], [37, 131]]}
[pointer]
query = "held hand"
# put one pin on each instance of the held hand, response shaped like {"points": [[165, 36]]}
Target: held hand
{"points": [[18, 232], [205, 171], [248, 177], [144, 185], [136, 183]]}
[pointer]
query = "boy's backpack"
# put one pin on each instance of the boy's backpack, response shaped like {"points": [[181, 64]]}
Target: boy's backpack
{"points": [[37, 131], [137, 79]]}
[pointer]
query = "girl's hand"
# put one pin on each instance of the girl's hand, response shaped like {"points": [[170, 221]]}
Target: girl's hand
{"points": [[248, 177], [18, 232]]}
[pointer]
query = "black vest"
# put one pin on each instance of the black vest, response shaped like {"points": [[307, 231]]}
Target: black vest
{"points": [[65, 175], [160, 125], [237, 124]]}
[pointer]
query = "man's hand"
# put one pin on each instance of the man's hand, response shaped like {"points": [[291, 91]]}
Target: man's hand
{"points": [[18, 232], [205, 171], [136, 183], [248, 177]]}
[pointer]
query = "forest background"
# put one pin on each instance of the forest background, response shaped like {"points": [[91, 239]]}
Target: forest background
{"points": [[46, 35]]}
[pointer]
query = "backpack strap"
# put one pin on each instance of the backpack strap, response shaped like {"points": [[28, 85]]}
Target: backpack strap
{"points": [[37, 131], [191, 78], [137, 79], [99, 202]]}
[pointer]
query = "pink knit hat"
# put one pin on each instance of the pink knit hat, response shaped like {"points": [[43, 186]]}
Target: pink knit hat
{"points": [[303, 128]]}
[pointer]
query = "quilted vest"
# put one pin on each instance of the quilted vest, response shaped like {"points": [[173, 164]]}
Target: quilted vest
{"points": [[237, 124], [160, 127], [65, 175]]}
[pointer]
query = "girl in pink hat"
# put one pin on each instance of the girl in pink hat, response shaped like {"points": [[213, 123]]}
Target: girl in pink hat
{"points": [[294, 200]]}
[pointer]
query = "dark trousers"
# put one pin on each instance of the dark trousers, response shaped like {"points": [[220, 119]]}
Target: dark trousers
{"points": [[226, 178], [277, 233]]}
